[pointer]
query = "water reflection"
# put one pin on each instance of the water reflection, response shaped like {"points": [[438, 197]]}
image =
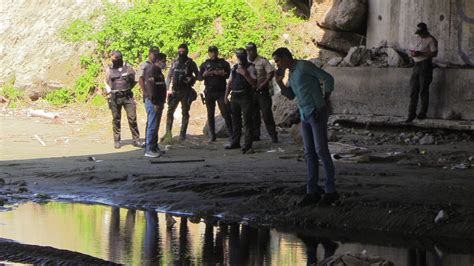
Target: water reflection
{"points": [[150, 238]]}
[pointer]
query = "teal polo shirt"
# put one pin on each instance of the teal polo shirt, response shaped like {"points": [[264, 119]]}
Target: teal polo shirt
{"points": [[304, 83]]}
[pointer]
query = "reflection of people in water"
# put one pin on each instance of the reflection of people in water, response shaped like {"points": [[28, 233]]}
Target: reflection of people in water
{"points": [[114, 234], [208, 245], [263, 241], [235, 257], [184, 249], [151, 250], [128, 232], [220, 239], [417, 257], [312, 243]]}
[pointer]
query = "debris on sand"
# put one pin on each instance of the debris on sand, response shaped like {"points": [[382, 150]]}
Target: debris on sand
{"points": [[440, 217], [40, 140], [42, 114], [348, 153]]}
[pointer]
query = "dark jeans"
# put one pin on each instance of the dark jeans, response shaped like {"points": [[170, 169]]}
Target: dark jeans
{"points": [[420, 87], [183, 97], [241, 105], [153, 119], [128, 103], [211, 99], [263, 103], [314, 131]]}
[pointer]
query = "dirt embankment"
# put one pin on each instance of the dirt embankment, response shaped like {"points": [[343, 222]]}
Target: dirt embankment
{"points": [[401, 192]]}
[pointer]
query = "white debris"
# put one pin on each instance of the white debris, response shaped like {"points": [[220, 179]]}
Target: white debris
{"points": [[440, 217]]}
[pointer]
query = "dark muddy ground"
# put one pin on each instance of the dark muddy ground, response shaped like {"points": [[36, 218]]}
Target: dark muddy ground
{"points": [[398, 189]]}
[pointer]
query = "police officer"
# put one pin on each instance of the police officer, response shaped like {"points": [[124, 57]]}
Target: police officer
{"points": [[242, 82], [262, 95], [215, 71], [154, 97], [120, 78], [180, 81]]}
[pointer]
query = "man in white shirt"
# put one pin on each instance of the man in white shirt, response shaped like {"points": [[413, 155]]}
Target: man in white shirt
{"points": [[425, 49]]}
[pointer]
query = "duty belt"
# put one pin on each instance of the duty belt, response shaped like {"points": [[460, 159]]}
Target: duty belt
{"points": [[239, 92], [121, 93]]}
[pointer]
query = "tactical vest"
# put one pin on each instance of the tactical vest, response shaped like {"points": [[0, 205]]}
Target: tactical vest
{"points": [[180, 74], [120, 78], [157, 85], [239, 83], [215, 81]]}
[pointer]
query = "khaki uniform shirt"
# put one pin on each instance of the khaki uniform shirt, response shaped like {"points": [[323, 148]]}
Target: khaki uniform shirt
{"points": [[428, 44], [263, 68]]}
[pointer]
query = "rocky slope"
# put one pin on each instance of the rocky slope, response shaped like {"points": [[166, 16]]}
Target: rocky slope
{"points": [[31, 52]]}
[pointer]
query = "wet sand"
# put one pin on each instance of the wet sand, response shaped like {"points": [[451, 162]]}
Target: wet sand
{"points": [[376, 197]]}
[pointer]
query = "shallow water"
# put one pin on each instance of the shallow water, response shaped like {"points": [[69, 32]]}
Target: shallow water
{"points": [[135, 237]]}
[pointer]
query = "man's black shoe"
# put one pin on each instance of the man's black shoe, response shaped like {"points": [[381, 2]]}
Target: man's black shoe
{"points": [[232, 146], [421, 116], [275, 140], [138, 144], [117, 145], [256, 138], [320, 190], [212, 139], [409, 119], [309, 199], [329, 198], [247, 150]]}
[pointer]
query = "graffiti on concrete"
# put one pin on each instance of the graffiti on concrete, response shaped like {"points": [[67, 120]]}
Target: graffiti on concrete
{"points": [[464, 18]]}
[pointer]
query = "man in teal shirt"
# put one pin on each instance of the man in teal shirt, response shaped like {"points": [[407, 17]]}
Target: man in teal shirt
{"points": [[304, 85]]}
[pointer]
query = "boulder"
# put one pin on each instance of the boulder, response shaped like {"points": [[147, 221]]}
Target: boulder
{"points": [[335, 61], [285, 111], [340, 41], [452, 115], [427, 140], [295, 133], [393, 58], [347, 15], [358, 56], [317, 62], [221, 129]]}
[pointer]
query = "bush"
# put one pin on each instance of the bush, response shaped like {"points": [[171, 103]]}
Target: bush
{"points": [[59, 97], [13, 95], [228, 24], [87, 82]]}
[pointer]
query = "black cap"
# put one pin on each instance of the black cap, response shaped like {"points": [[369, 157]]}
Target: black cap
{"points": [[183, 45], [154, 49], [240, 52], [251, 46], [116, 54], [212, 48], [421, 28]]}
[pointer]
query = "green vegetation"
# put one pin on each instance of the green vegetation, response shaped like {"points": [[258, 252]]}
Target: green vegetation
{"points": [[59, 97], [98, 101], [13, 95], [87, 82], [227, 24]]}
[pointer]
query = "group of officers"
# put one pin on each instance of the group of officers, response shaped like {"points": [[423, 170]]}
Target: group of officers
{"points": [[248, 85], [242, 93]]}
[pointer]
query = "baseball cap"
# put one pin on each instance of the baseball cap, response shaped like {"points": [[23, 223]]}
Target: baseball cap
{"points": [[421, 28]]}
